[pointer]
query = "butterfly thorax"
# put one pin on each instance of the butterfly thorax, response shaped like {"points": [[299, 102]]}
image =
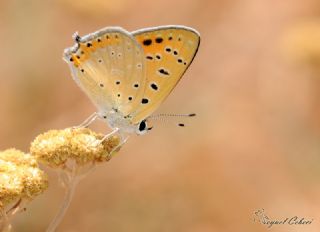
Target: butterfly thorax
{"points": [[116, 119]]}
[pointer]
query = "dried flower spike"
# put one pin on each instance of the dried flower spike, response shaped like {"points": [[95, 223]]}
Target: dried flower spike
{"points": [[56, 147]]}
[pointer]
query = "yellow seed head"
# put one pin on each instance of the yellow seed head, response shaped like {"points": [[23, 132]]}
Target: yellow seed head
{"points": [[55, 147], [18, 157], [20, 177]]}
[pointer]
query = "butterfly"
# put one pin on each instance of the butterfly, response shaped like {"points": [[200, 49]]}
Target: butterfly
{"points": [[128, 75]]}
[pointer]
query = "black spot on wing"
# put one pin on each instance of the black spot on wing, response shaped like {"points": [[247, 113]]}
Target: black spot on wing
{"points": [[159, 40], [144, 100], [147, 42], [163, 71], [149, 57], [154, 86]]}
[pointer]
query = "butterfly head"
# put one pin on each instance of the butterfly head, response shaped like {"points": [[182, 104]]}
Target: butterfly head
{"points": [[116, 119], [142, 127]]}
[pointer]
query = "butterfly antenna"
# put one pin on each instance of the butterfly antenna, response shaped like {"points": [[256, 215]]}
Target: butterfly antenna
{"points": [[162, 117]]}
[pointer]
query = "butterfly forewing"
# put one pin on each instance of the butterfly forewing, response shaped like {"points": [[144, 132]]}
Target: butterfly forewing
{"points": [[168, 52], [109, 66]]}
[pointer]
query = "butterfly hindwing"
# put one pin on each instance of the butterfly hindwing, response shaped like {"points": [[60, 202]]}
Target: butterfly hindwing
{"points": [[168, 52], [109, 66]]}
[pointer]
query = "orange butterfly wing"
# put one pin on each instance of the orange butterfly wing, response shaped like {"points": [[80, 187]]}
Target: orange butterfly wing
{"points": [[168, 51]]}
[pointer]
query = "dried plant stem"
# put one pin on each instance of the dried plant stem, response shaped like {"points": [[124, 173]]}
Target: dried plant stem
{"points": [[6, 216], [70, 189], [5, 225], [70, 177]]}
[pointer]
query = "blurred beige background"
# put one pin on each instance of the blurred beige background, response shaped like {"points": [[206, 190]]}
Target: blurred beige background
{"points": [[255, 85]]}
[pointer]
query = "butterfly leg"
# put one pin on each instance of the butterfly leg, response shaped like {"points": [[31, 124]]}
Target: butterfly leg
{"points": [[88, 121], [123, 140], [110, 134], [98, 142]]}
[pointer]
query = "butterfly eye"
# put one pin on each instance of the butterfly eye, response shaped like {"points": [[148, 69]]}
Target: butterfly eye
{"points": [[142, 127]]}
